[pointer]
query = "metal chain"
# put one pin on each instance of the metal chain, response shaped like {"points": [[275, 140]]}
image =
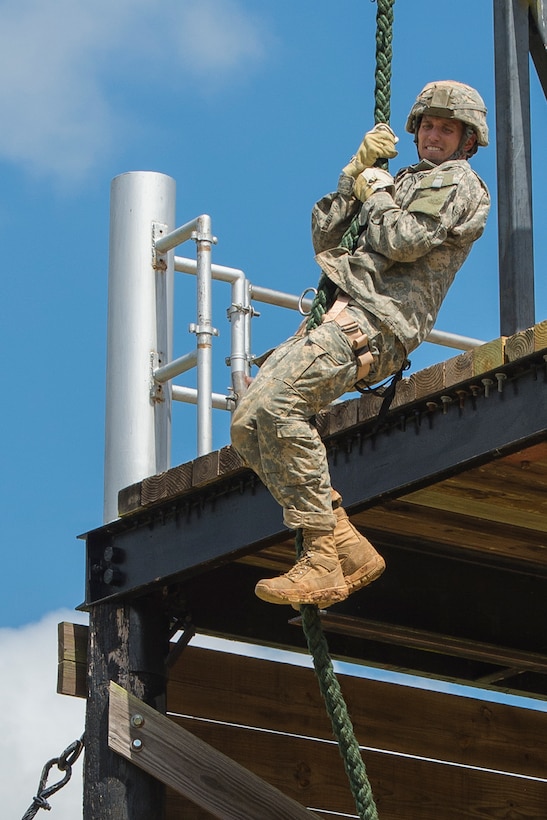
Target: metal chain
{"points": [[64, 763]]}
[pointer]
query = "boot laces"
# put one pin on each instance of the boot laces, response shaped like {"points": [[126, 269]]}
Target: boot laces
{"points": [[303, 564]]}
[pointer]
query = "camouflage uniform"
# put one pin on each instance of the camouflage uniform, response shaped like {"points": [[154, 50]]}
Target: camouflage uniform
{"points": [[409, 251]]}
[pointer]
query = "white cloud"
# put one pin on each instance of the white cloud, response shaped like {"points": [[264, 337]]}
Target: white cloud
{"points": [[62, 66], [216, 36], [37, 723]]}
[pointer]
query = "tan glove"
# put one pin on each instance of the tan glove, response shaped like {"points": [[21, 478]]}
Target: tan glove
{"points": [[379, 142], [371, 180]]}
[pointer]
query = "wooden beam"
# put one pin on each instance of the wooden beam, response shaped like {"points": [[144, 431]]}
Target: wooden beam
{"points": [[191, 767], [278, 697], [128, 644], [433, 642], [72, 659], [404, 788]]}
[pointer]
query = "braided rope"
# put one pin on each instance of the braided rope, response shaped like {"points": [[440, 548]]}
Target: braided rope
{"points": [[335, 704], [384, 54], [382, 95], [311, 622]]}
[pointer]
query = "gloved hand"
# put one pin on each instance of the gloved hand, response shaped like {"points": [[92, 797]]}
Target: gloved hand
{"points": [[371, 180], [379, 142]]}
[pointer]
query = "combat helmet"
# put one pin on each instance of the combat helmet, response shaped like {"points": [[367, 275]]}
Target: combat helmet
{"points": [[454, 100]]}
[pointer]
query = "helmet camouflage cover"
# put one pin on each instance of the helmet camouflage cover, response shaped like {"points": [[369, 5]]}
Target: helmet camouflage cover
{"points": [[454, 100]]}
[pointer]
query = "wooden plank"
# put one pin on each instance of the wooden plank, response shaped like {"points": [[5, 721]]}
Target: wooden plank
{"points": [[403, 788], [519, 344], [458, 369], [504, 506], [433, 526], [129, 499], [405, 393], [185, 763], [307, 771], [166, 485], [519, 660], [540, 335], [369, 406], [428, 381], [488, 356], [343, 415], [179, 480], [284, 698], [72, 659]]}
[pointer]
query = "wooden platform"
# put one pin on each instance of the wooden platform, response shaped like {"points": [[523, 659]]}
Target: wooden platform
{"points": [[451, 489]]}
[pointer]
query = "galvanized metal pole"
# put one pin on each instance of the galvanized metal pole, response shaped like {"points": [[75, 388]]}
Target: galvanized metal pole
{"points": [[516, 256], [204, 333], [140, 330]]}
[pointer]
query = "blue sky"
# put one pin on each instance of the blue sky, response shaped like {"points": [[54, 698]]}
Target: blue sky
{"points": [[253, 108]]}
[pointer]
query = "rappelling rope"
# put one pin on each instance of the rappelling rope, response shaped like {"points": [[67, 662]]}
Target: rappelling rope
{"points": [[337, 710], [311, 621]]}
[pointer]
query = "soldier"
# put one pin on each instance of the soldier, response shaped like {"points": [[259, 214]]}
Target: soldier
{"points": [[416, 230]]}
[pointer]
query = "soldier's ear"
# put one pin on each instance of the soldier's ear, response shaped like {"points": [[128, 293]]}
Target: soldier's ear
{"points": [[470, 143]]}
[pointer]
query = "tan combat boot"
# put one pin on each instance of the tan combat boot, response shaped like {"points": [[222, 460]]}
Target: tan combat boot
{"points": [[316, 576], [360, 562]]}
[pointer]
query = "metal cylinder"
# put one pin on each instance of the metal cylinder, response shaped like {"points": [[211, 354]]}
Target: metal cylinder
{"points": [[139, 333], [204, 334]]}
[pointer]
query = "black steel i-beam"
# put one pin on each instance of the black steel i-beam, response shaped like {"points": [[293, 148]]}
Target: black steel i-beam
{"points": [[514, 166], [187, 536]]}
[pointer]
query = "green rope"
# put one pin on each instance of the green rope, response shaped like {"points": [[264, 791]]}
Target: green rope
{"points": [[382, 96], [384, 54], [311, 622], [336, 708]]}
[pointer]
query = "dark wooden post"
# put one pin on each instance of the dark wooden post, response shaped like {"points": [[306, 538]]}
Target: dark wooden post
{"points": [[516, 255], [128, 644]]}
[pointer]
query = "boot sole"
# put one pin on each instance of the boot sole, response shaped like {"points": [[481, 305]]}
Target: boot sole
{"points": [[335, 595]]}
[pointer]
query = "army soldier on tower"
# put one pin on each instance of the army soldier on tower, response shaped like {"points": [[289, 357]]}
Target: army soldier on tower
{"points": [[414, 233]]}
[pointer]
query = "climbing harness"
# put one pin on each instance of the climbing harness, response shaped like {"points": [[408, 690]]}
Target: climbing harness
{"points": [[311, 621]]}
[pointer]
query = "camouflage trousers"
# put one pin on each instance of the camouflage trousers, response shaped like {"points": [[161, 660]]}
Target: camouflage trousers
{"points": [[272, 426]]}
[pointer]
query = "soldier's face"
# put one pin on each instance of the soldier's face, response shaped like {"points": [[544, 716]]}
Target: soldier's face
{"points": [[438, 138]]}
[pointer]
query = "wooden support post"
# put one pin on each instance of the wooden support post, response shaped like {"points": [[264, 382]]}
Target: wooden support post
{"points": [[516, 255], [128, 644]]}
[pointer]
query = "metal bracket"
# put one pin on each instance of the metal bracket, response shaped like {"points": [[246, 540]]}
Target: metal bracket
{"points": [[157, 391], [159, 261], [197, 329], [237, 307], [205, 236]]}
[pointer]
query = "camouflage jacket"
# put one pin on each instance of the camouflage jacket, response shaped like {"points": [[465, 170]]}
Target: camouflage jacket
{"points": [[412, 244]]}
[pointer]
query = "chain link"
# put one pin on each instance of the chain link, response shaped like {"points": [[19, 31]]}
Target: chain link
{"points": [[64, 763]]}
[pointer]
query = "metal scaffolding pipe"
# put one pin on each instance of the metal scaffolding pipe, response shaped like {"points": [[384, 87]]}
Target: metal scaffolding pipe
{"points": [[139, 333], [441, 337], [178, 236], [204, 334], [189, 395], [220, 272], [176, 367], [277, 297], [238, 314]]}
